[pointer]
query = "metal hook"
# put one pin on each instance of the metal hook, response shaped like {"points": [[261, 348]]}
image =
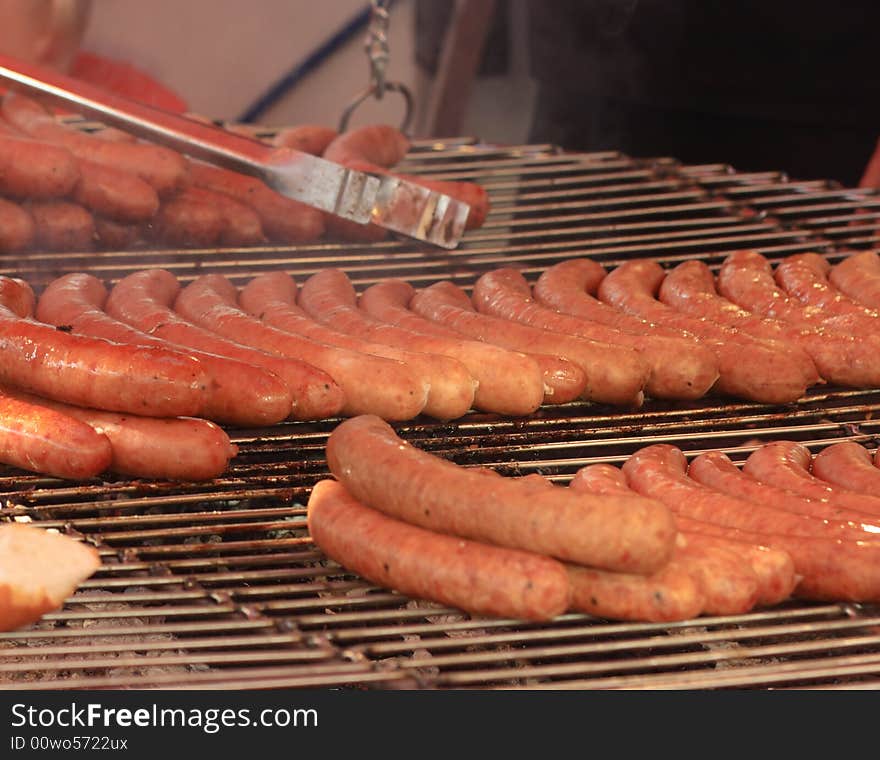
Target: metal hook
{"points": [[373, 91]]}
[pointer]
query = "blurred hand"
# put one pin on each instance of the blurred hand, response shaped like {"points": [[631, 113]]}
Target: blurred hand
{"points": [[46, 32], [871, 177]]}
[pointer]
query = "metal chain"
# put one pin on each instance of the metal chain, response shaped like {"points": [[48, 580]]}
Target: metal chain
{"points": [[376, 45]]}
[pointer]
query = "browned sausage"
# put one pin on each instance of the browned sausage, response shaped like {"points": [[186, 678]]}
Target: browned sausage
{"points": [[283, 220], [679, 368], [161, 167], [17, 227], [39, 439], [774, 373], [378, 468], [508, 382], [371, 384], [715, 563], [174, 448], [858, 276], [240, 225], [62, 226], [188, 222], [786, 464], [33, 170], [690, 288], [805, 277], [145, 299], [613, 375], [715, 470], [237, 393], [115, 193], [475, 577], [329, 297], [308, 138], [830, 568], [850, 465], [96, 373]]}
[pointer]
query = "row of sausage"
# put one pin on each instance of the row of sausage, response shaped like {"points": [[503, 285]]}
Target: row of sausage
{"points": [[659, 539], [274, 350], [62, 189]]}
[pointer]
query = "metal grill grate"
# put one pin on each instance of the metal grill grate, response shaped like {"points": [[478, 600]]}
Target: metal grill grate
{"points": [[217, 585]]}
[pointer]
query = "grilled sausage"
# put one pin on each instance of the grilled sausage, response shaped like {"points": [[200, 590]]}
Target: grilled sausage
{"points": [[115, 193], [94, 372], [117, 236], [237, 393], [570, 287], [144, 299], [39, 570], [378, 468], [614, 375], [175, 448], [850, 465], [804, 276], [661, 465], [17, 228], [371, 384], [720, 577], [715, 470], [283, 220], [33, 170], [62, 226], [690, 288], [667, 595], [239, 223], [679, 368], [271, 297], [858, 276], [187, 222], [786, 464], [39, 439], [829, 568], [508, 382], [164, 169], [472, 576], [329, 298], [774, 374]]}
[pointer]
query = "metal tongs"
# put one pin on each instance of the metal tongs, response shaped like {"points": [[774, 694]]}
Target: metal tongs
{"points": [[387, 201]]}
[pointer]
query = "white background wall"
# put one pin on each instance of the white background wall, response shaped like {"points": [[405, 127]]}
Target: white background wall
{"points": [[220, 55]]}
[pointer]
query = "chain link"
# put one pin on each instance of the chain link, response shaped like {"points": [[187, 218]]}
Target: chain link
{"points": [[376, 47], [377, 44]]}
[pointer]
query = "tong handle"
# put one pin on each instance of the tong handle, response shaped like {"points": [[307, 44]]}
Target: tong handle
{"points": [[194, 138]]}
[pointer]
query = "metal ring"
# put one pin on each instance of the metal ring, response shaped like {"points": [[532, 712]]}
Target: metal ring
{"points": [[373, 91]]}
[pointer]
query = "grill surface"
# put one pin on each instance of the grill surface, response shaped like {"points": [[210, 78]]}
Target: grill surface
{"points": [[217, 585]]}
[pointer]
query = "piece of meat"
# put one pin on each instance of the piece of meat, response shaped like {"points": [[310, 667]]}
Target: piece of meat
{"points": [[613, 375], [850, 465], [39, 570], [371, 384], [508, 382], [679, 368], [50, 442], [175, 448], [237, 393], [91, 372], [145, 300], [329, 297], [378, 468], [472, 576], [786, 464]]}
